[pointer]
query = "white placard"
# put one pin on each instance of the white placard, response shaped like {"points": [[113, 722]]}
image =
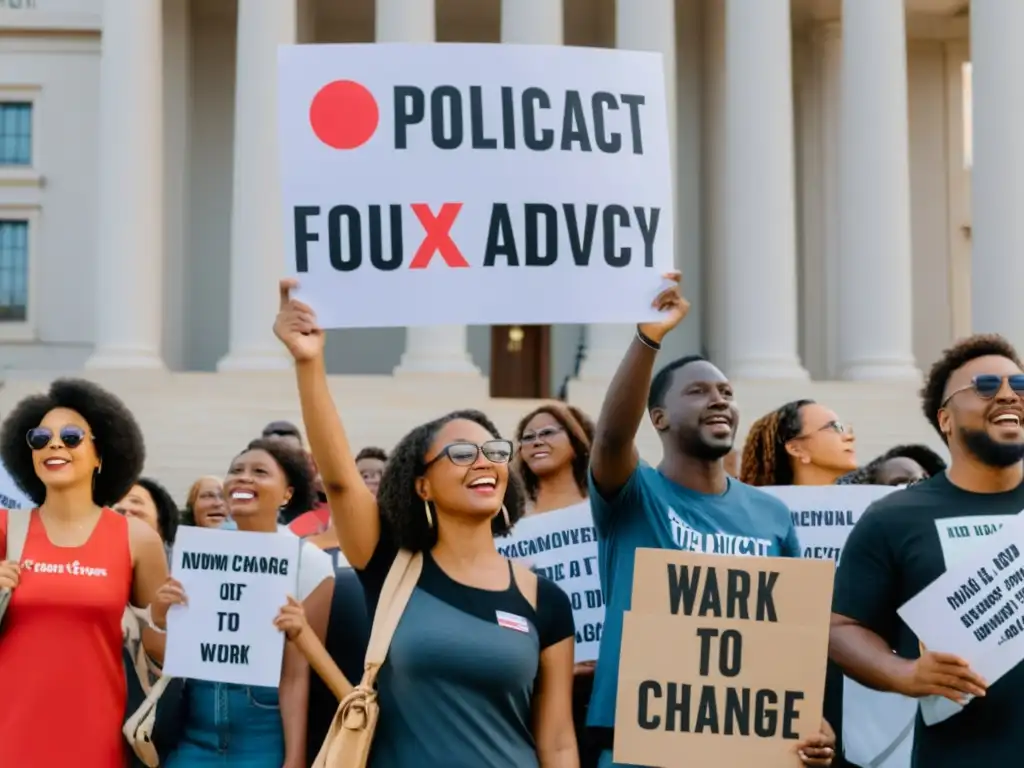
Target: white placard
{"points": [[975, 610], [507, 183], [562, 546], [236, 583], [878, 727], [11, 496]]}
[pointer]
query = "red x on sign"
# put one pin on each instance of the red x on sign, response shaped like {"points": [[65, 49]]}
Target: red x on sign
{"points": [[438, 237]]}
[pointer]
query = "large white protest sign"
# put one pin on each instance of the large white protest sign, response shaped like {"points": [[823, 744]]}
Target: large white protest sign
{"points": [[475, 175], [236, 582], [562, 545], [11, 496], [975, 610], [878, 727]]}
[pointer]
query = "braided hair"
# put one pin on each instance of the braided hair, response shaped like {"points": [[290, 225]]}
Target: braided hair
{"points": [[765, 461]]}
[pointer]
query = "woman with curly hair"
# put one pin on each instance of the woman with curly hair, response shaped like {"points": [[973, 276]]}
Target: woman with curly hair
{"points": [[251, 726], [800, 443], [151, 503], [553, 459], [204, 504], [480, 667], [74, 451]]}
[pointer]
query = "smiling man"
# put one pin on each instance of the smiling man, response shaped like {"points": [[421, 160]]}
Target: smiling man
{"points": [[974, 397], [688, 502]]}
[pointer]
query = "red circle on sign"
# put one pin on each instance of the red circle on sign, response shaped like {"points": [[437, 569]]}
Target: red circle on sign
{"points": [[344, 114]]}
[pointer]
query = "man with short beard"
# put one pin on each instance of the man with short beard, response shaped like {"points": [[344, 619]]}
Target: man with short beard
{"points": [[688, 502], [902, 543]]}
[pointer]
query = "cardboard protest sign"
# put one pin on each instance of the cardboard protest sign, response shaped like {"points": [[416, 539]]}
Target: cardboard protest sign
{"points": [[526, 170], [562, 546], [236, 582], [722, 660]]}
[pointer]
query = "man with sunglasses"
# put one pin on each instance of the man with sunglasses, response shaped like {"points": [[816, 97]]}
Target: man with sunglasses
{"points": [[688, 502], [974, 398]]}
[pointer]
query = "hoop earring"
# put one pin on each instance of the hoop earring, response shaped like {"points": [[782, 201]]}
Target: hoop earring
{"points": [[504, 514], [430, 515]]}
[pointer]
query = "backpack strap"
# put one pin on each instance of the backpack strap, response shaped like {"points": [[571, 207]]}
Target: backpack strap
{"points": [[17, 532]]}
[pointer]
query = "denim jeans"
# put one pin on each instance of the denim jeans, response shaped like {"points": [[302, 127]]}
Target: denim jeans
{"points": [[230, 725]]}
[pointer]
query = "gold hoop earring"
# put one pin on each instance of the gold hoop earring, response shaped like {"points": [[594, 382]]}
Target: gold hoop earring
{"points": [[430, 515], [504, 514]]}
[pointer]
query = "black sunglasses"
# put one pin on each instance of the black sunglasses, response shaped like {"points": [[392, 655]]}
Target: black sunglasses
{"points": [[464, 454], [987, 386], [40, 437]]}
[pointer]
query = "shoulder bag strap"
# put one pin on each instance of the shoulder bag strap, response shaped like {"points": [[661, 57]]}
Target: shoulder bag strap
{"points": [[394, 596], [17, 532]]}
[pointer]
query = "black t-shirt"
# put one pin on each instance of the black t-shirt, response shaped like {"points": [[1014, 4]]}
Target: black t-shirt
{"points": [[900, 545]]}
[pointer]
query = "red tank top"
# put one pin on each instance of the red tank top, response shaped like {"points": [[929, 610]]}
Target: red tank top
{"points": [[60, 650]]}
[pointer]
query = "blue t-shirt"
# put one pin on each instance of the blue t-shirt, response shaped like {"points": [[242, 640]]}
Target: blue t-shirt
{"points": [[651, 511]]}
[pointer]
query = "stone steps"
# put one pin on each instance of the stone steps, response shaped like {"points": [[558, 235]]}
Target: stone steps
{"points": [[196, 422]]}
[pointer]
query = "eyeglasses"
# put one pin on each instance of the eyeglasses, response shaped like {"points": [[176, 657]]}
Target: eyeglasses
{"points": [[40, 437], [987, 385], [543, 435], [465, 454], [833, 426]]}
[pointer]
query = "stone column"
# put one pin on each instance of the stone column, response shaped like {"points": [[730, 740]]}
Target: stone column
{"points": [[438, 348], [875, 324], [653, 29], [534, 22], [257, 237], [760, 233], [997, 258], [130, 232]]}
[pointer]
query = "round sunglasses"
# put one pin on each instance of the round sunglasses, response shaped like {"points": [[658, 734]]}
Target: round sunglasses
{"points": [[463, 454], [40, 437], [987, 386]]}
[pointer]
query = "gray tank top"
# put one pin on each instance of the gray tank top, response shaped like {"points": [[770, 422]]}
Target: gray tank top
{"points": [[456, 690]]}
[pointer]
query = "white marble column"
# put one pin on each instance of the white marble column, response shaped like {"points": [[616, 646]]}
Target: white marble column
{"points": [[257, 239], [532, 22], [997, 258], [653, 29], [438, 348], [130, 236], [760, 233], [875, 324]]}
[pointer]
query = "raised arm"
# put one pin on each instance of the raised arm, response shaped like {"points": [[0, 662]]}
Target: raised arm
{"points": [[613, 455], [353, 508]]}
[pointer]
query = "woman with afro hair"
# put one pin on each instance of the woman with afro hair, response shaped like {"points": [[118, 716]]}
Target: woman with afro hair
{"points": [[256, 726], [480, 667], [799, 443], [74, 451]]}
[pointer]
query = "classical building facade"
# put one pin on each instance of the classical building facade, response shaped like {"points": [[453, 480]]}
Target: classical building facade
{"points": [[823, 176]]}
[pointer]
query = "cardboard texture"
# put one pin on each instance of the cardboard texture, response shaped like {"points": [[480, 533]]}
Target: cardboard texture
{"points": [[771, 638]]}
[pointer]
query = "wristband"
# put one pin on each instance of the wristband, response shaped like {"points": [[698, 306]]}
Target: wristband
{"points": [[647, 341]]}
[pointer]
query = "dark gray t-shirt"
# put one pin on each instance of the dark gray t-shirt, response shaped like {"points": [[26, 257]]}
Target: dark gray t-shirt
{"points": [[457, 688]]}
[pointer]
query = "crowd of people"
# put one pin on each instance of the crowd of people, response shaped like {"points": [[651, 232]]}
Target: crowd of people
{"points": [[91, 589]]}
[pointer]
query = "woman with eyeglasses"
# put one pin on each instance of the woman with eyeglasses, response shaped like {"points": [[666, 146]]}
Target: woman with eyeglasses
{"points": [[205, 505], [552, 461], [800, 443], [75, 451], [480, 668]]}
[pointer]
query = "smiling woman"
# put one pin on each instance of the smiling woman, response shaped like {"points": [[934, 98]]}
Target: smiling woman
{"points": [[479, 670], [267, 725], [74, 451]]}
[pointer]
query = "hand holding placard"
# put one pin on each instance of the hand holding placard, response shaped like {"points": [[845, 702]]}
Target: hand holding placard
{"points": [[943, 674], [296, 325], [670, 301]]}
